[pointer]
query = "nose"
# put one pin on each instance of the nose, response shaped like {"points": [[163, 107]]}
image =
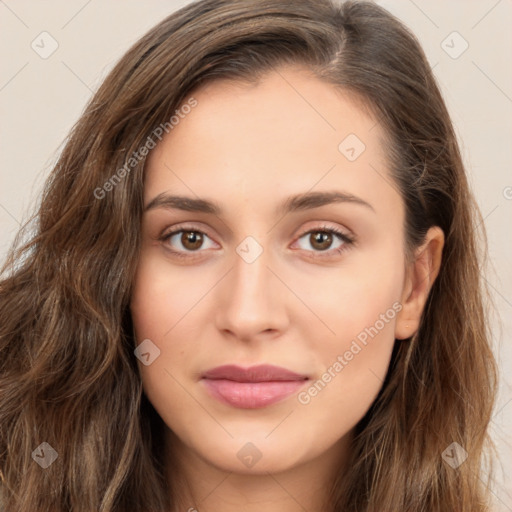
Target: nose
{"points": [[252, 300]]}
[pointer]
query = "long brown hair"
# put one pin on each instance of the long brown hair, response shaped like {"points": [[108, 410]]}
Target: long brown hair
{"points": [[68, 375]]}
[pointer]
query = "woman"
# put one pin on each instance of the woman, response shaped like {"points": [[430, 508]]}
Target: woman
{"points": [[254, 281]]}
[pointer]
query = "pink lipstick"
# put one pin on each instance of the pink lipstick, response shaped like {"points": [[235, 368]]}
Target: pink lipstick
{"points": [[254, 387]]}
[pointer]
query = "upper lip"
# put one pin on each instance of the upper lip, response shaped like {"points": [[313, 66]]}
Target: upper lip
{"points": [[260, 373]]}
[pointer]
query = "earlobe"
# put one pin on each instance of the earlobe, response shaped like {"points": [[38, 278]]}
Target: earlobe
{"points": [[420, 277]]}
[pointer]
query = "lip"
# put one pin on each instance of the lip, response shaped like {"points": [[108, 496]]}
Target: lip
{"points": [[254, 387]]}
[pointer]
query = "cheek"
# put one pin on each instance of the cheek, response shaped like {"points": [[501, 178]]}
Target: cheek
{"points": [[161, 298], [360, 296], [359, 308], [163, 295]]}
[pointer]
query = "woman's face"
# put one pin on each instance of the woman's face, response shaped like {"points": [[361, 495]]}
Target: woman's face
{"points": [[263, 280]]}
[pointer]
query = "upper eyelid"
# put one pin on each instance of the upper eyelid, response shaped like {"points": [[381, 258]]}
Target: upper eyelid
{"points": [[324, 226], [179, 227]]}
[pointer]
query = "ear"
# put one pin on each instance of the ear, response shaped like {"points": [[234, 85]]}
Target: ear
{"points": [[420, 276]]}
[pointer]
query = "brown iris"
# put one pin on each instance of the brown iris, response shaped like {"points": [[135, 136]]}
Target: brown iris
{"points": [[322, 238], [191, 240]]}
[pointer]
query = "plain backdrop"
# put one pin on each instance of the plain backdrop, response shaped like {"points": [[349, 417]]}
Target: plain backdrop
{"points": [[468, 45]]}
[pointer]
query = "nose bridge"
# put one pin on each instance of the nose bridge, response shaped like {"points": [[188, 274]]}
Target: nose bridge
{"points": [[250, 273], [251, 298]]}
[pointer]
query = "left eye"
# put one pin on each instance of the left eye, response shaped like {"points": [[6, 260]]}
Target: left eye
{"points": [[322, 239]]}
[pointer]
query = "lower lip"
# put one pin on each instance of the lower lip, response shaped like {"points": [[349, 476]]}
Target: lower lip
{"points": [[252, 395]]}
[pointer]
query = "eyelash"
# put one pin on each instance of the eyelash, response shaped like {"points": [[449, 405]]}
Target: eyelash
{"points": [[347, 240]]}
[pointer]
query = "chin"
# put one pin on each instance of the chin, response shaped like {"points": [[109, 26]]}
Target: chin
{"points": [[256, 454]]}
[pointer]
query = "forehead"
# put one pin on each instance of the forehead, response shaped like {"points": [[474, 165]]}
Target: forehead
{"points": [[289, 132]]}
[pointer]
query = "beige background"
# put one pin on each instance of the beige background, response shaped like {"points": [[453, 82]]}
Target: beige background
{"points": [[40, 100]]}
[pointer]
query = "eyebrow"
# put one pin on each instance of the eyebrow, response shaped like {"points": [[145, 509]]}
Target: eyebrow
{"points": [[294, 203]]}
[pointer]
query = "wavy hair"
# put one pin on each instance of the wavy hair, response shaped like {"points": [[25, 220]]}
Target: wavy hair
{"points": [[68, 375]]}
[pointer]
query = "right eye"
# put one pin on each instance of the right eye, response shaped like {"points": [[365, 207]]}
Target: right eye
{"points": [[186, 239]]}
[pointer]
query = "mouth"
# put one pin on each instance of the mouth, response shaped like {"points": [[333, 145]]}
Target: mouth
{"points": [[254, 387]]}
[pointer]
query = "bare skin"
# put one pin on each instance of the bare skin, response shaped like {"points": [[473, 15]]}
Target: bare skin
{"points": [[300, 304]]}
